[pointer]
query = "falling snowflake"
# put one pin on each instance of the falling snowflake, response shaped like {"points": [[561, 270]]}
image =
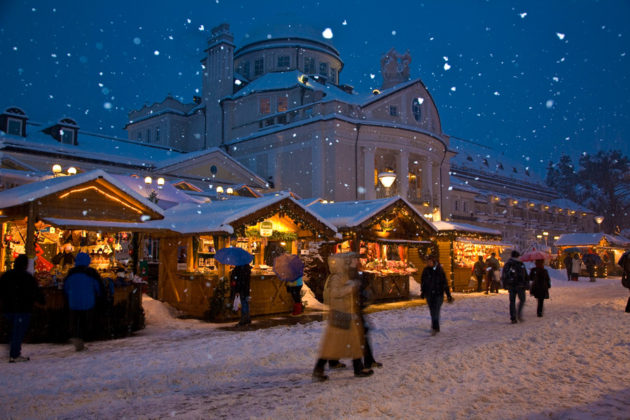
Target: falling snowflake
{"points": [[496, 93], [549, 103], [372, 76], [327, 33], [137, 40], [560, 36], [453, 88], [345, 22], [522, 15], [555, 78], [394, 32], [201, 27], [447, 66], [156, 52]]}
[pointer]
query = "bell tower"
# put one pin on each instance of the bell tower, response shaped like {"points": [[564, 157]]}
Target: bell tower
{"points": [[218, 80]]}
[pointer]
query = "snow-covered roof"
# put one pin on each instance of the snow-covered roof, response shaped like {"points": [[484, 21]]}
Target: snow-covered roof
{"points": [[35, 190], [91, 146], [350, 214], [591, 239], [482, 158], [167, 195], [217, 216], [442, 226]]}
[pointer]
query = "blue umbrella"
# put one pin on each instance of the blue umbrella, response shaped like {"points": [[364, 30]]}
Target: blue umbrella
{"points": [[233, 256]]}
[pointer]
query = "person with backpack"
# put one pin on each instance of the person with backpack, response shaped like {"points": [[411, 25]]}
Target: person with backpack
{"points": [[515, 280], [540, 284], [433, 287], [81, 286], [624, 263]]}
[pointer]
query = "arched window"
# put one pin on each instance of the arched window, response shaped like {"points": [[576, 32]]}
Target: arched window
{"points": [[416, 109]]}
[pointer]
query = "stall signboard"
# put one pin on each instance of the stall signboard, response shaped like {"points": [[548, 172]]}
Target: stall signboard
{"points": [[266, 229]]}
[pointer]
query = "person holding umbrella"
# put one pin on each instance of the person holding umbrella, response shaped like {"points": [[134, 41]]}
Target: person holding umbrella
{"points": [[590, 260], [240, 276], [290, 268]]}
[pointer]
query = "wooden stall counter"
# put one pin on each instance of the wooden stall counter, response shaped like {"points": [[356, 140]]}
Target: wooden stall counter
{"points": [[387, 287], [50, 322]]}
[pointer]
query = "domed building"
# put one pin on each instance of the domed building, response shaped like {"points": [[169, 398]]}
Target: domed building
{"points": [[277, 105]]}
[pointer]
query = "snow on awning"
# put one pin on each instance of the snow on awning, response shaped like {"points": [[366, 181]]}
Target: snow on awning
{"points": [[482, 242], [402, 241]]}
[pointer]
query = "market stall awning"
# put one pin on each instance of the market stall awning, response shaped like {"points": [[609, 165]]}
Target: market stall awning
{"points": [[104, 226], [93, 195], [461, 228], [226, 217], [386, 218], [592, 239], [484, 242]]}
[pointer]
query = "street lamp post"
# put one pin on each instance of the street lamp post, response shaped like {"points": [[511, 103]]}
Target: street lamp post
{"points": [[387, 178], [546, 234], [599, 220]]}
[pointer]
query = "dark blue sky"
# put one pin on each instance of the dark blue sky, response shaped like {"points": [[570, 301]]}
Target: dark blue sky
{"points": [[536, 78]]}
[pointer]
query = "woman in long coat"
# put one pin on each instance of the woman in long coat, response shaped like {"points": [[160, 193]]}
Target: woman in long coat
{"points": [[576, 267], [540, 284], [344, 335]]}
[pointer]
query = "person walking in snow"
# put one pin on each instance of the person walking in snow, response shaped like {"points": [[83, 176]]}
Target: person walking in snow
{"points": [[240, 277], [82, 286], [18, 292], [479, 269], [576, 267], [433, 287], [624, 263], [568, 264], [344, 334], [493, 267], [515, 280], [541, 284]]}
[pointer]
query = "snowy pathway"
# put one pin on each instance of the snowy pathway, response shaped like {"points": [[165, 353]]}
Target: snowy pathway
{"points": [[574, 363]]}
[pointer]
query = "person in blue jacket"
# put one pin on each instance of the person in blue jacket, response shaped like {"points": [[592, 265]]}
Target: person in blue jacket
{"points": [[82, 285]]}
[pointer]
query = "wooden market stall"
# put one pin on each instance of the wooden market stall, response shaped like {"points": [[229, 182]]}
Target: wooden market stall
{"points": [[389, 234], [460, 245], [608, 247], [191, 280], [51, 221]]}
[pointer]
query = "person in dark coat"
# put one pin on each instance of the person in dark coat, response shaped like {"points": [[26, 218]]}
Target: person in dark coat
{"points": [[240, 276], [18, 292], [541, 283], [493, 266], [479, 269], [516, 281], [568, 261], [433, 288], [82, 286], [624, 263]]}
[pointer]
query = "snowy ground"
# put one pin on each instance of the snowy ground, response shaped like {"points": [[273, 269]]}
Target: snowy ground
{"points": [[574, 363]]}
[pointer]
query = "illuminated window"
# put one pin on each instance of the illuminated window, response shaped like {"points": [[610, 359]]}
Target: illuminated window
{"points": [[265, 106], [283, 103]]}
